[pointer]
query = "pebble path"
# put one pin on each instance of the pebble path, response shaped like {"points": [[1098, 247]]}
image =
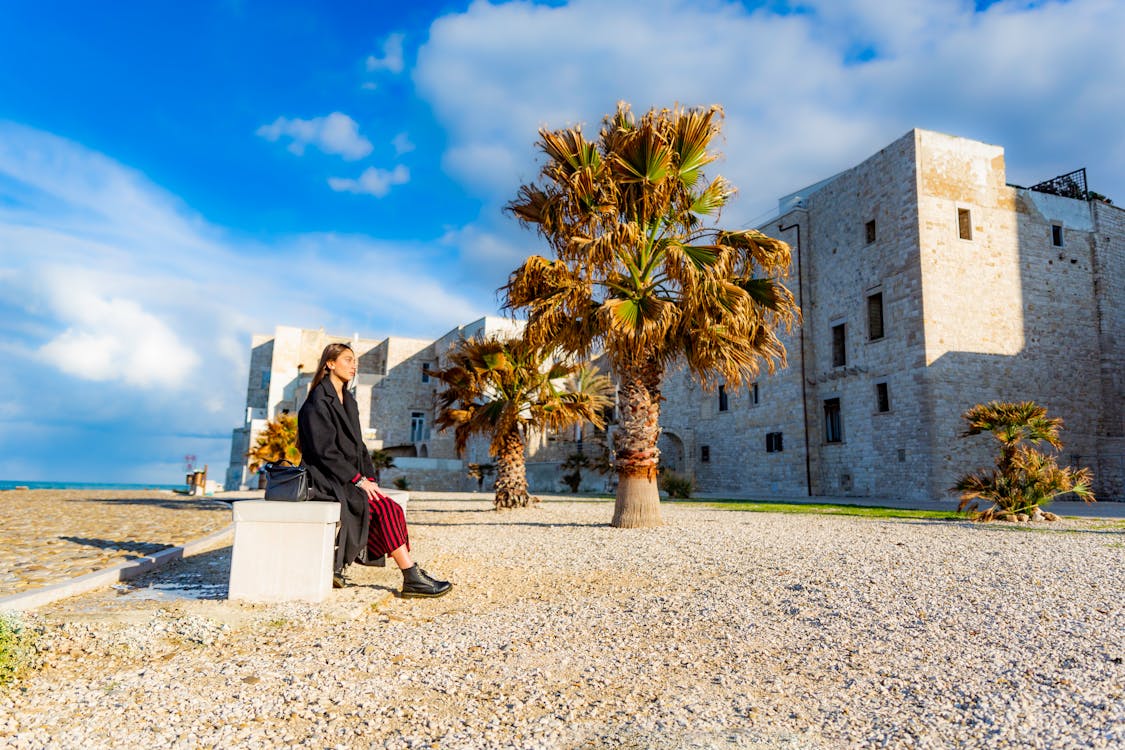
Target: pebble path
{"points": [[719, 630]]}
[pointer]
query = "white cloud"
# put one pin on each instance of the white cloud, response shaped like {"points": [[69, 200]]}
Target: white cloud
{"points": [[801, 104], [391, 60], [113, 338], [125, 319], [402, 144], [373, 181], [333, 134]]}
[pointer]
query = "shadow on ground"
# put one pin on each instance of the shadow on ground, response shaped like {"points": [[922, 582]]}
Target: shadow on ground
{"points": [[140, 549], [194, 503], [204, 576]]}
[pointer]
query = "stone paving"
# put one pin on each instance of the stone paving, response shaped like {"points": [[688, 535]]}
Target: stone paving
{"points": [[49, 536]]}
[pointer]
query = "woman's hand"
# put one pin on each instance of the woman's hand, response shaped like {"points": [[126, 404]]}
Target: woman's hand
{"points": [[369, 487]]}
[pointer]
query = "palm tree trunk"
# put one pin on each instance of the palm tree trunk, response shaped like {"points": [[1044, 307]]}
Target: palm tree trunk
{"points": [[638, 497], [511, 474]]}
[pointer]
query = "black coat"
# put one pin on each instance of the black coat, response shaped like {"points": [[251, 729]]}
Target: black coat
{"points": [[332, 448]]}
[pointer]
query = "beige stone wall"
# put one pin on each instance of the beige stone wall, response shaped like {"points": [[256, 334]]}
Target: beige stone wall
{"points": [[880, 453], [1109, 273], [1008, 315], [1002, 315]]}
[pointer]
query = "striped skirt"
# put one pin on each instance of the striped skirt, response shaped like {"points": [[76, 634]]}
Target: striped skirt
{"points": [[387, 530]]}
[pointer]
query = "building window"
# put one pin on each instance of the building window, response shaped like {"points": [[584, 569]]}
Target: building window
{"points": [[724, 402], [882, 397], [875, 316], [754, 393], [425, 372], [773, 442], [418, 431], [265, 380], [869, 230], [705, 454], [964, 223], [839, 351], [1057, 235], [833, 425]]}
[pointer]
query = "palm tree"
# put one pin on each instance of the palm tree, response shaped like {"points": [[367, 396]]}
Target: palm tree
{"points": [[276, 442], [637, 274], [380, 459], [504, 387], [1025, 478]]}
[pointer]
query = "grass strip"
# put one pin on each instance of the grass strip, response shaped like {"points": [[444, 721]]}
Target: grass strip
{"points": [[831, 509]]}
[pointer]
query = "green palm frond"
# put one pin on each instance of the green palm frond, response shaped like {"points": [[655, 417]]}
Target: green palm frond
{"points": [[503, 386], [1025, 477], [635, 270]]}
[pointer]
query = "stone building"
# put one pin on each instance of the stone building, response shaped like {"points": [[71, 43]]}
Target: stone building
{"points": [[928, 284], [393, 390]]}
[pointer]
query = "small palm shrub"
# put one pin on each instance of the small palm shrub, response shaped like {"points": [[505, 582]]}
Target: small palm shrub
{"points": [[1025, 478], [381, 460], [402, 483], [277, 442], [17, 648], [677, 485]]}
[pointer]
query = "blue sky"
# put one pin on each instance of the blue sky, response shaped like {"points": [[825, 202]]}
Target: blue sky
{"points": [[177, 176]]}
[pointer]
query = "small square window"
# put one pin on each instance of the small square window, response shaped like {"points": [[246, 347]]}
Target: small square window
{"points": [[753, 393], [875, 316], [882, 397], [773, 442], [833, 424], [964, 223], [869, 230], [839, 350], [705, 454], [1057, 235], [724, 402], [425, 372]]}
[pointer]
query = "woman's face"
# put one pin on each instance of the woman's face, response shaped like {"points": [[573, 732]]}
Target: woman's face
{"points": [[344, 365]]}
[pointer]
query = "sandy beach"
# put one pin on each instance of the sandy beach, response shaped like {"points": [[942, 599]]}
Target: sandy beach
{"points": [[720, 630]]}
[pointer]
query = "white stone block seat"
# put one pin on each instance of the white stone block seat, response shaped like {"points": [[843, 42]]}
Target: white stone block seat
{"points": [[282, 551]]}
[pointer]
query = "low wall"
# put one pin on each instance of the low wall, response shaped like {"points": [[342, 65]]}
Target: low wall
{"points": [[451, 475]]}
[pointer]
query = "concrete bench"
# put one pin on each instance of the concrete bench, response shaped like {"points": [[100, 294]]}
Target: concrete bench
{"points": [[282, 551]]}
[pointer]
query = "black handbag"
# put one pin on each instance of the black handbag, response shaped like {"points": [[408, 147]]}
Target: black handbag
{"points": [[287, 482]]}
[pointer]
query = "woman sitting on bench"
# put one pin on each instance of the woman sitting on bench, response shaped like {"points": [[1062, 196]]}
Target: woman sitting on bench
{"points": [[372, 525]]}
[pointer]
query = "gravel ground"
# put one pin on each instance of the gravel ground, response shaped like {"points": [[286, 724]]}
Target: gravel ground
{"points": [[719, 630]]}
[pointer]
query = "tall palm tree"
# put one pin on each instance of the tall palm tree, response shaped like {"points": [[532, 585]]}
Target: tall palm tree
{"points": [[505, 388], [639, 275], [276, 442]]}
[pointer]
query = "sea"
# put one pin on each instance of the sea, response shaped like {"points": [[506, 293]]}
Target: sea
{"points": [[6, 485]]}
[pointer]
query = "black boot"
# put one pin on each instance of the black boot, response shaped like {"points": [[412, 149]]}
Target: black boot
{"points": [[338, 580], [416, 583]]}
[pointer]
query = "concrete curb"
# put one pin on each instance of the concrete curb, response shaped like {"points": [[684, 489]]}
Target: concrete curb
{"points": [[121, 572]]}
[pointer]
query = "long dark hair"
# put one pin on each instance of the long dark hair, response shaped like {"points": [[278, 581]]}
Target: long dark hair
{"points": [[331, 352]]}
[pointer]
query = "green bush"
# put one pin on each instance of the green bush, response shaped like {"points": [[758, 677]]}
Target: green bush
{"points": [[402, 483], [677, 485], [17, 647]]}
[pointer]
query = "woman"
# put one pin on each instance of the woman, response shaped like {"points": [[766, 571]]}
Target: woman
{"points": [[331, 443]]}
